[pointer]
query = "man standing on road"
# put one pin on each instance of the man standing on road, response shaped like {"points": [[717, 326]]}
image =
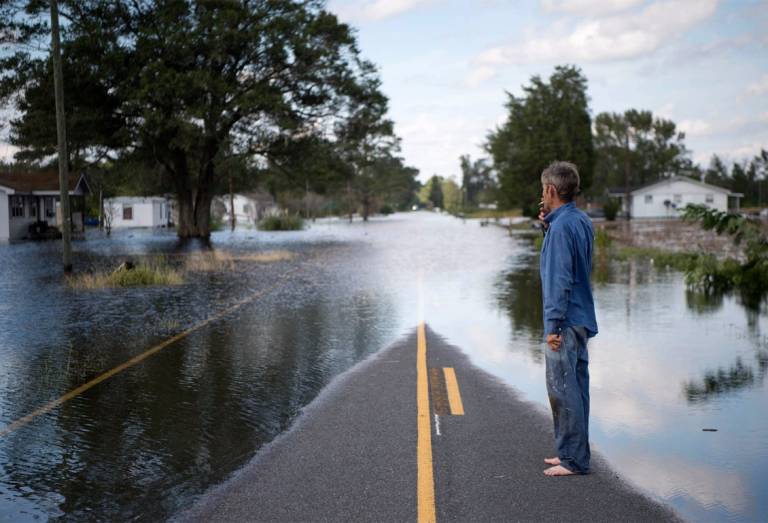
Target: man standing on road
{"points": [[569, 316]]}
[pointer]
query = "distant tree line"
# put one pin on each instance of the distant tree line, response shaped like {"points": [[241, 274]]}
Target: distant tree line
{"points": [[552, 120], [202, 98]]}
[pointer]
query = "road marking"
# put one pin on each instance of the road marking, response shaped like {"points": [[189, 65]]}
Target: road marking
{"points": [[48, 407], [437, 425], [438, 398], [454, 396], [425, 478]]}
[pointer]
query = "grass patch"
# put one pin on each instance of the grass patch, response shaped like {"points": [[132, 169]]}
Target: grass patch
{"points": [[147, 274], [281, 223], [493, 214], [684, 261], [216, 260]]}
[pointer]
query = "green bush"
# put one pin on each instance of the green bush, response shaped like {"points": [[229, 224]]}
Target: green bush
{"points": [[611, 209], [386, 210], [288, 222], [602, 240]]}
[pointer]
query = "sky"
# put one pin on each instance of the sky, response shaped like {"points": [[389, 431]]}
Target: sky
{"points": [[446, 66]]}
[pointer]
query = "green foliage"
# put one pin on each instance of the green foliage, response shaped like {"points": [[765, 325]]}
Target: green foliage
{"points": [[451, 196], [436, 191], [636, 148], [611, 208], [386, 210], [602, 239], [742, 230], [198, 89], [285, 222], [477, 181], [549, 122]]}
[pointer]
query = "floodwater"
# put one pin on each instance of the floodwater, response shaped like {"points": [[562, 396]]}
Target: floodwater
{"points": [[145, 443]]}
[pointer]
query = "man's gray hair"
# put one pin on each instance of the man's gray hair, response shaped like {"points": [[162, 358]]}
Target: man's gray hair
{"points": [[565, 177]]}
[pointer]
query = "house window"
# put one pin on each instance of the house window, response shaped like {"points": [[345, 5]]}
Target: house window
{"points": [[33, 209], [710, 198], [17, 207], [648, 198], [128, 212], [678, 198]]}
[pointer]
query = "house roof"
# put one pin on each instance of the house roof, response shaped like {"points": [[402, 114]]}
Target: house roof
{"points": [[672, 179], [137, 199], [42, 181]]}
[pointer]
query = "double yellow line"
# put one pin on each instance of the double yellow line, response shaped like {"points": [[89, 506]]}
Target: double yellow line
{"points": [[425, 478]]}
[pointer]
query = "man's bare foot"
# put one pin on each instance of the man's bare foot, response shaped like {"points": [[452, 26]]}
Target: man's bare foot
{"points": [[552, 461], [558, 470]]}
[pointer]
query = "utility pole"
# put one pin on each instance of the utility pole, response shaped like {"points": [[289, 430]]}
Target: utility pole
{"points": [[61, 135]]}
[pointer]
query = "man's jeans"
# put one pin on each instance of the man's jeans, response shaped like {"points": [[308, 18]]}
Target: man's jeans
{"points": [[568, 389]]}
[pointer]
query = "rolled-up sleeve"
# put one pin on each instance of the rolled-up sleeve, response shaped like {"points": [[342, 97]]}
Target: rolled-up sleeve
{"points": [[557, 279]]}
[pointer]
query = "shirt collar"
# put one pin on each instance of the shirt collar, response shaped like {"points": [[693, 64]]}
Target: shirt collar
{"points": [[551, 216]]}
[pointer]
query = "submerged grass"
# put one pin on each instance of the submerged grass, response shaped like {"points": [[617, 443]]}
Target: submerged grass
{"points": [[492, 214], [146, 274], [216, 260], [683, 261]]}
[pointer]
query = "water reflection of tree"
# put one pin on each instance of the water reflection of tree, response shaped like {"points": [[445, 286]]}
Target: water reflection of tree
{"points": [[737, 377], [703, 303], [519, 293], [162, 432]]}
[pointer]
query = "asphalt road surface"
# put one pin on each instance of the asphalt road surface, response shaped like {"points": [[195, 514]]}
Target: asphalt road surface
{"points": [[355, 454]]}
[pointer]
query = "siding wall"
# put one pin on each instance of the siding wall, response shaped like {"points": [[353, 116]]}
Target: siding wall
{"points": [[145, 214], [688, 193], [5, 215]]}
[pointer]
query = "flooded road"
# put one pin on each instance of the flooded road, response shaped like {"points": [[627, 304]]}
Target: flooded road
{"points": [[145, 443]]}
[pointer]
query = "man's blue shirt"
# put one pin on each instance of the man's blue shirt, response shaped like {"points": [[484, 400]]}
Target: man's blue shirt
{"points": [[566, 263]]}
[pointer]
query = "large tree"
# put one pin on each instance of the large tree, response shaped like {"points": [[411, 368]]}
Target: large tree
{"points": [[549, 122], [477, 181], [635, 148], [193, 84]]}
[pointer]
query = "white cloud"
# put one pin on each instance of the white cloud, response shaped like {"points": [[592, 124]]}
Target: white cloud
{"points": [[375, 10], [670, 476], [695, 127], [438, 141], [759, 87], [618, 37], [588, 7], [480, 74], [7, 151]]}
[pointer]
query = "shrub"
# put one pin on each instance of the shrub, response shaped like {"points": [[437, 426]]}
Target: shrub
{"points": [[611, 209], [287, 222], [386, 210]]}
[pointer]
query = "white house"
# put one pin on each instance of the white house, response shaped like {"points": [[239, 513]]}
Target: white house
{"points": [[249, 208], [662, 199], [136, 211], [27, 198]]}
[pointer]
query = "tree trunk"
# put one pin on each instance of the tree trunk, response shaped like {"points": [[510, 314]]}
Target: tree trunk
{"points": [[349, 200], [231, 202], [366, 207], [627, 196], [186, 226]]}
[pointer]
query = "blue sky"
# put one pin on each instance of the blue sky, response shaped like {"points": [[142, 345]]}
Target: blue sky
{"points": [[446, 65]]}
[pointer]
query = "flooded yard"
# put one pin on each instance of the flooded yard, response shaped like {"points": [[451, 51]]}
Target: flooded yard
{"points": [[145, 443]]}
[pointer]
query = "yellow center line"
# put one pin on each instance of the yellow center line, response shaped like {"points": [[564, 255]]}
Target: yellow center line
{"points": [[454, 396], [425, 479], [25, 420]]}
